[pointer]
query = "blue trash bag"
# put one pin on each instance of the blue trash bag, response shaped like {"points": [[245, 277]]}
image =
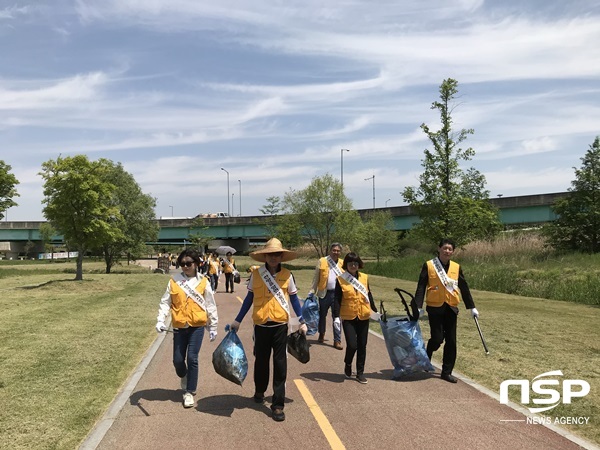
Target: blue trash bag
{"points": [[405, 346], [229, 358], [310, 314]]}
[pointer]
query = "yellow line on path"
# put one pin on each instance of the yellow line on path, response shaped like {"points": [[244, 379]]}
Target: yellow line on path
{"points": [[326, 428], [240, 299]]}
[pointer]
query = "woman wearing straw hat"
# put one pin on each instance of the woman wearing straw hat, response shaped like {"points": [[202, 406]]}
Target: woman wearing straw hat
{"points": [[270, 290]]}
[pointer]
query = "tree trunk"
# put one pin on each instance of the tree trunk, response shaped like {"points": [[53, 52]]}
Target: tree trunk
{"points": [[79, 270]]}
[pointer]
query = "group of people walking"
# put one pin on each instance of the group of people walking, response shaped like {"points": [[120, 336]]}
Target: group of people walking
{"points": [[340, 286]]}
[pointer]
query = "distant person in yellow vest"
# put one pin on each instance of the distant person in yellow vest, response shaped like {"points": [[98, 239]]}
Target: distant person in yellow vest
{"points": [[440, 282], [228, 265], [270, 291], [190, 301], [323, 285], [353, 303], [214, 268]]}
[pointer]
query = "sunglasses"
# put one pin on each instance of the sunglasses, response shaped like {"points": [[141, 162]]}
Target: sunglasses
{"points": [[187, 263]]}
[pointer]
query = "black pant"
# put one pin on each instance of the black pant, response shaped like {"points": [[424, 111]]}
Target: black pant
{"points": [[356, 332], [228, 282], [267, 339], [214, 282], [442, 322]]}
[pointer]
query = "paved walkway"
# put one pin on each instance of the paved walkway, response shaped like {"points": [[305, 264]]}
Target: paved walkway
{"points": [[323, 409]]}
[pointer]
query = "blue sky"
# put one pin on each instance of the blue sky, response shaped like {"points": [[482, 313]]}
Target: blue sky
{"points": [[272, 90]]}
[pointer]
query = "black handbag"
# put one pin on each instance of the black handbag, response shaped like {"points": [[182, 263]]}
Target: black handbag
{"points": [[236, 277], [298, 347]]}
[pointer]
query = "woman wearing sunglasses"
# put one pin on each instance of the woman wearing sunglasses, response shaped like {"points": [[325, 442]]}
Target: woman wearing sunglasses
{"points": [[190, 300]]}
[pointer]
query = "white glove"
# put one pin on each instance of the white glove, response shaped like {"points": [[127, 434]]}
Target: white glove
{"points": [[375, 315], [160, 327], [337, 323], [303, 328], [212, 335], [474, 312], [235, 325]]}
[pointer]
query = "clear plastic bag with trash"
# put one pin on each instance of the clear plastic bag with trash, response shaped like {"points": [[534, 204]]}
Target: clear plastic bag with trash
{"points": [[229, 358], [310, 314]]}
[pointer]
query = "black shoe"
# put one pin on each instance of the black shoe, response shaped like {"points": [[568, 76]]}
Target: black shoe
{"points": [[449, 378], [258, 398], [361, 379], [348, 371], [278, 415]]}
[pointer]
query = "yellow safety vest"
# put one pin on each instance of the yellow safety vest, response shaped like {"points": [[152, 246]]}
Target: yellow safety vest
{"points": [[324, 272], [437, 294], [266, 307], [354, 303], [185, 310]]}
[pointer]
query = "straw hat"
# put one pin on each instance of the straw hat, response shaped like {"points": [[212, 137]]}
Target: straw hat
{"points": [[273, 246]]}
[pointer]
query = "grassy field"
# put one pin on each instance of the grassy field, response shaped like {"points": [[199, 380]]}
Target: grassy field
{"points": [[516, 263], [68, 346]]}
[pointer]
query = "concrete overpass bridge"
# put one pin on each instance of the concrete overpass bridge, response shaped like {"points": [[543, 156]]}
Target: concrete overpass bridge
{"points": [[239, 232]]}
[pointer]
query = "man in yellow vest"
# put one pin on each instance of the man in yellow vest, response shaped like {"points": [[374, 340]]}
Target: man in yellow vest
{"points": [[214, 268], [326, 273], [441, 281]]}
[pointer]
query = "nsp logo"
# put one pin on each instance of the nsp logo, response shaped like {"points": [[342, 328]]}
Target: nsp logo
{"points": [[538, 386]]}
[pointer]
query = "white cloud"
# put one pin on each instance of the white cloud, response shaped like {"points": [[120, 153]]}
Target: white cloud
{"points": [[271, 88], [58, 94]]}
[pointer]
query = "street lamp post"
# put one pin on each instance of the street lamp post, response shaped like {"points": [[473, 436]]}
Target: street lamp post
{"points": [[171, 211], [342, 166], [387, 201], [240, 195], [227, 189], [232, 207], [372, 178]]}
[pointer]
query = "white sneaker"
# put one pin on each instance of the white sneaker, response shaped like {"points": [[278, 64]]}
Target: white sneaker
{"points": [[188, 400], [184, 382]]}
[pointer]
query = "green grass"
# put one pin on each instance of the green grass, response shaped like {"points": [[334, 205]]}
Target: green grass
{"points": [[67, 346], [573, 278]]}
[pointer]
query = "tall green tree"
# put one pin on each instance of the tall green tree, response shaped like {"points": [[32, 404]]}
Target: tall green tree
{"points": [[318, 210], [47, 232], [79, 204], [136, 218], [450, 201], [578, 223], [8, 191], [379, 237], [272, 209]]}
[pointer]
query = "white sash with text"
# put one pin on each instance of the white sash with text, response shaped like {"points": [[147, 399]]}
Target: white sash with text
{"points": [[192, 293], [448, 282], [334, 267], [356, 285], [275, 289]]}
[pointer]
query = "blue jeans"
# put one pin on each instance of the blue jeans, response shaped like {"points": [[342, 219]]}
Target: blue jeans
{"points": [[324, 304], [187, 343]]}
